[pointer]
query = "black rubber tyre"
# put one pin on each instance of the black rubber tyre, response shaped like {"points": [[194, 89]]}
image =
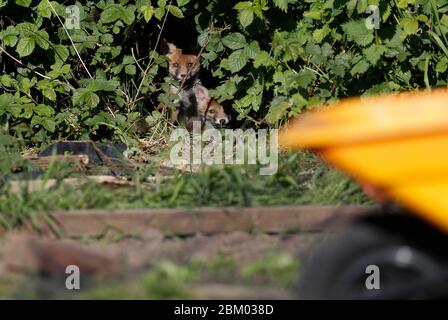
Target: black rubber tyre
{"points": [[411, 257]]}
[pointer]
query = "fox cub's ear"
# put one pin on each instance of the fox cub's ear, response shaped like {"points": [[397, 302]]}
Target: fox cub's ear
{"points": [[200, 92], [169, 48]]}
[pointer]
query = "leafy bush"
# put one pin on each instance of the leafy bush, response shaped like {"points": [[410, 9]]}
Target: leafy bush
{"points": [[270, 58], [279, 57], [90, 82]]}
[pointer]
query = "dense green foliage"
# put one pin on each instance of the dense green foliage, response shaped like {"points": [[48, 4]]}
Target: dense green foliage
{"points": [[270, 58], [279, 58]]}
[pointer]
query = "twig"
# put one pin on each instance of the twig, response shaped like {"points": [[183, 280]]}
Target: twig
{"points": [[71, 40], [2, 50], [136, 61], [153, 51]]}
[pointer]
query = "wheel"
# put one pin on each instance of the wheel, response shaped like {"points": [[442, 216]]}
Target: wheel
{"points": [[408, 257]]}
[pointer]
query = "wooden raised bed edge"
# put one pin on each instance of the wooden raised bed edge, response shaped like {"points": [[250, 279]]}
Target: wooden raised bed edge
{"points": [[184, 222]]}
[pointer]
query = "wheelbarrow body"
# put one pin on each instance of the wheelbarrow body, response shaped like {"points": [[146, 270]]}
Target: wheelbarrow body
{"points": [[397, 144]]}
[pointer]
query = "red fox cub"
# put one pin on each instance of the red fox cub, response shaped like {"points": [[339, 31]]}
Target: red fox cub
{"points": [[209, 109], [185, 69]]}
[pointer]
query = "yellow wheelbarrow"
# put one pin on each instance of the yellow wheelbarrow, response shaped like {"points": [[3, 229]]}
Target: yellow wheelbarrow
{"points": [[396, 146]]}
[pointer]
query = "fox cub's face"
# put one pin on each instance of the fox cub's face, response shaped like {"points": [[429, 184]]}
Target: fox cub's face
{"points": [[216, 114], [179, 65], [209, 108]]}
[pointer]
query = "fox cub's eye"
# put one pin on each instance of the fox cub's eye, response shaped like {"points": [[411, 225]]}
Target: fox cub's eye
{"points": [[175, 65], [189, 65], [211, 111]]}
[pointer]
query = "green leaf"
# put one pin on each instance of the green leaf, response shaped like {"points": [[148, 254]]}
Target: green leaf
{"points": [[49, 93], [43, 110], [374, 53], [202, 38], [409, 26], [298, 100], [6, 80], [14, 109], [61, 53], [24, 3], [6, 101], [237, 60], [181, 3], [234, 41], [100, 84], [130, 69], [42, 39], [320, 34], [159, 13], [244, 5], [148, 12], [9, 36], [85, 97], [278, 109], [27, 110], [48, 124], [305, 78], [25, 47], [281, 4], [313, 14], [26, 84], [116, 12], [263, 59], [442, 65], [360, 67], [44, 9], [403, 4], [252, 50], [357, 31], [36, 120], [246, 17], [386, 13], [175, 11]]}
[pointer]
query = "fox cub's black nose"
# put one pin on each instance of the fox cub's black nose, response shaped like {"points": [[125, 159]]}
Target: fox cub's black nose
{"points": [[222, 121]]}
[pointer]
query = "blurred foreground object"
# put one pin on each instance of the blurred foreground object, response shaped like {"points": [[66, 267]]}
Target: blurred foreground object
{"points": [[397, 147]]}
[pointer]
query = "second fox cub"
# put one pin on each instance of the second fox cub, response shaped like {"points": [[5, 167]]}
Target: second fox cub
{"points": [[209, 109]]}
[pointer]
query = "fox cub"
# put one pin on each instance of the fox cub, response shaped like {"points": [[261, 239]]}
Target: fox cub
{"points": [[210, 110], [184, 68], [193, 99]]}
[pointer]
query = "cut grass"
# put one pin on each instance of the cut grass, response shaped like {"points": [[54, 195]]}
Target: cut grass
{"points": [[164, 279], [301, 179]]}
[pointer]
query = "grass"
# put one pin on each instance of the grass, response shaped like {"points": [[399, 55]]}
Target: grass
{"points": [[301, 179], [163, 280]]}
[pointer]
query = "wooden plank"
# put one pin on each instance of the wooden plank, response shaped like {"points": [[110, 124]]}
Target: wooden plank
{"points": [[44, 162], [16, 186], [184, 222]]}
